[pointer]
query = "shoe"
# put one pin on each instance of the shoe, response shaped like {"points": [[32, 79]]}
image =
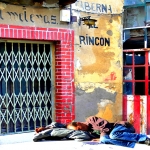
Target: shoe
{"points": [[147, 141]]}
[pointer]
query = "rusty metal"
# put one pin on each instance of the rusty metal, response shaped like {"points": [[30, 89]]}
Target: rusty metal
{"points": [[140, 49]]}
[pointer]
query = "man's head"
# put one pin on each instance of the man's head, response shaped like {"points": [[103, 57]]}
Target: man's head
{"points": [[77, 126]]}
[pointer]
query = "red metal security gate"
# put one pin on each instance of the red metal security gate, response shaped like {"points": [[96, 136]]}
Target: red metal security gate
{"points": [[136, 89]]}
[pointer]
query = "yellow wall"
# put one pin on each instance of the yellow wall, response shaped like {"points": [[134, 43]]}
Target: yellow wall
{"points": [[98, 68]]}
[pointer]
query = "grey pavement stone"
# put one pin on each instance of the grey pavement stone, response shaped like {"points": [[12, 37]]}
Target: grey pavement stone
{"points": [[24, 142], [16, 138]]}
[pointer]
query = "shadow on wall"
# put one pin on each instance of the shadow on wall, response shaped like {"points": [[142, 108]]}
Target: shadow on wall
{"points": [[86, 103]]}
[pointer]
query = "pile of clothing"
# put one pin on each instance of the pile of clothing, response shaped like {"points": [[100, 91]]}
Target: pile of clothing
{"points": [[58, 131]]}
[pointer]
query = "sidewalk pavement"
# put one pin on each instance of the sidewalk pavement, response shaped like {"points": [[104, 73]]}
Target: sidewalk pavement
{"points": [[24, 142]]}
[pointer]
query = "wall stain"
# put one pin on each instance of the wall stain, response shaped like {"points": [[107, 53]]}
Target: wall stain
{"points": [[88, 102], [101, 57], [109, 32], [94, 94]]}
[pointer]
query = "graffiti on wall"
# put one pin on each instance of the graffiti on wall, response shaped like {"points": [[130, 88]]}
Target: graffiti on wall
{"points": [[111, 77]]}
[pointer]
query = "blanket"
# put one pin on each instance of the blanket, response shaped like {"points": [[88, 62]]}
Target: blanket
{"points": [[59, 131]]}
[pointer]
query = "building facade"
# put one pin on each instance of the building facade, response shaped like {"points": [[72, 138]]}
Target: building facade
{"points": [[98, 61], [59, 61], [136, 70]]}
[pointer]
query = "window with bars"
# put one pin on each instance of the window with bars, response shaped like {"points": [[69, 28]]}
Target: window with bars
{"points": [[25, 85], [136, 72]]}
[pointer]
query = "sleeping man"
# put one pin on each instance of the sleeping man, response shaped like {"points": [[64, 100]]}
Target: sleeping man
{"points": [[58, 131], [120, 133]]}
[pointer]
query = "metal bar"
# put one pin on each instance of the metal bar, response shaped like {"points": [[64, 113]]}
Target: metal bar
{"points": [[32, 83], [38, 78], [20, 92], [146, 73], [134, 5], [45, 98], [53, 81], [7, 128], [137, 113], [133, 74], [124, 107], [148, 115], [33, 79], [137, 50], [132, 28], [13, 85], [26, 76], [145, 29]]}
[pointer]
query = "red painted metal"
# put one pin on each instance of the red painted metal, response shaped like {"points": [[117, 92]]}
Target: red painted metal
{"points": [[124, 107], [137, 113], [138, 105], [148, 115]]}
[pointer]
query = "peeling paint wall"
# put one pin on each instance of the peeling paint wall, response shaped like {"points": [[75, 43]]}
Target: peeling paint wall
{"points": [[98, 60]]}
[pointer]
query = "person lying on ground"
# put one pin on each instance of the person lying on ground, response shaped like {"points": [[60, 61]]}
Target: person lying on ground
{"points": [[50, 126], [94, 133], [121, 133], [58, 131]]}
